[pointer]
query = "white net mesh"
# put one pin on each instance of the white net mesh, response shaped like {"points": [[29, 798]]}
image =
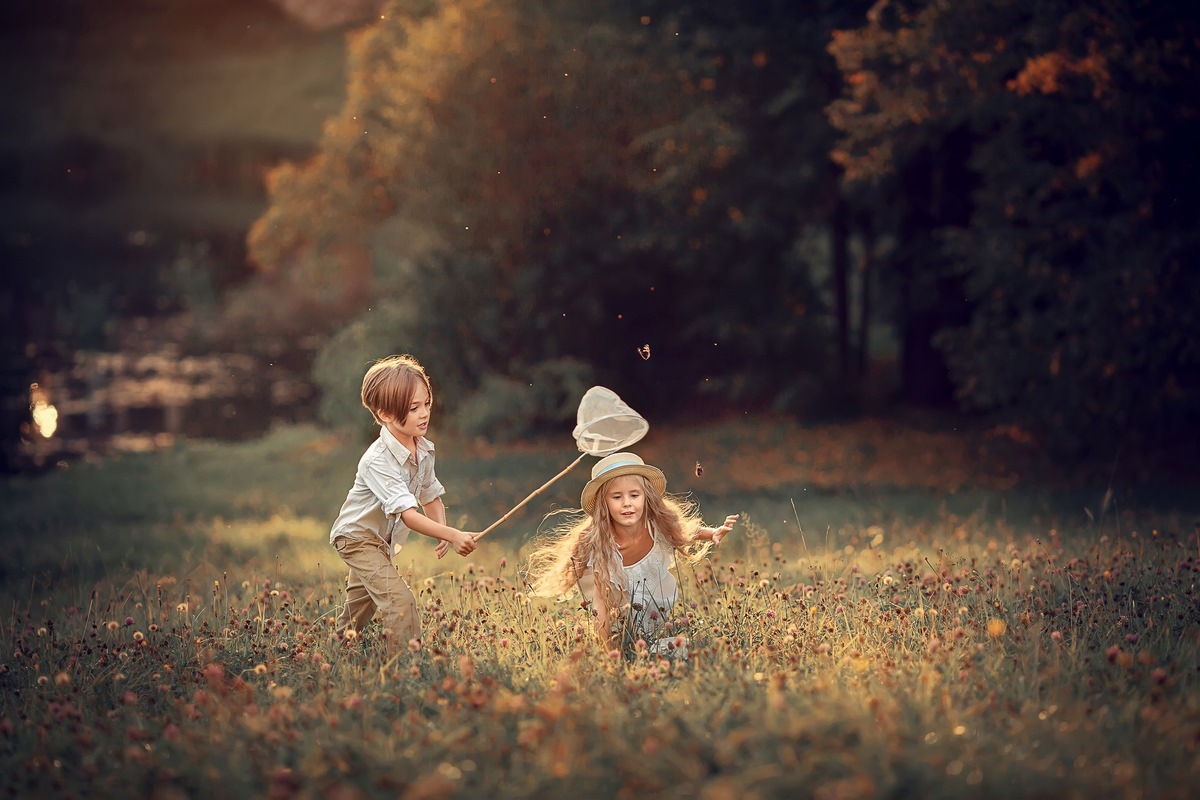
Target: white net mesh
{"points": [[605, 424]]}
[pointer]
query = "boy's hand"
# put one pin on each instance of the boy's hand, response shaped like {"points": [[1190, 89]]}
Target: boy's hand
{"points": [[444, 546], [463, 543]]}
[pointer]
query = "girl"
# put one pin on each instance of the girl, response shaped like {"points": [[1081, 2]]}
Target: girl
{"points": [[621, 554]]}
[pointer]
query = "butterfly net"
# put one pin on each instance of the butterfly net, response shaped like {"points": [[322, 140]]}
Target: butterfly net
{"points": [[605, 424]]}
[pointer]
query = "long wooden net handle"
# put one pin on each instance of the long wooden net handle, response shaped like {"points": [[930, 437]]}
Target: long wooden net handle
{"points": [[532, 495]]}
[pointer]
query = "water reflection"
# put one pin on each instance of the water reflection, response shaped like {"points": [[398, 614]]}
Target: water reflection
{"points": [[98, 403], [45, 416]]}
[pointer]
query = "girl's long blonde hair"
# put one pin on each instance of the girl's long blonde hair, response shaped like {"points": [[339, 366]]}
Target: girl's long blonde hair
{"points": [[556, 565]]}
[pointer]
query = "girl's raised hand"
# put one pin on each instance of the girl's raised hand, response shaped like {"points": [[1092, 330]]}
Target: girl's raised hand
{"points": [[719, 533]]}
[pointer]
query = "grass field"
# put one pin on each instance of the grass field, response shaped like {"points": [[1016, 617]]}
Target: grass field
{"points": [[892, 620]]}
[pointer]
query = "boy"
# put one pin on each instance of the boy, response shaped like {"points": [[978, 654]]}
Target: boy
{"points": [[394, 483]]}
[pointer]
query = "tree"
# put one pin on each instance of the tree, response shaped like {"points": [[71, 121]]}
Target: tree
{"points": [[1068, 131], [584, 182], [503, 133], [747, 184]]}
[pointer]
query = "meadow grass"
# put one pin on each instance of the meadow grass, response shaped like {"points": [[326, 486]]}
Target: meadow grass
{"points": [[166, 631]]}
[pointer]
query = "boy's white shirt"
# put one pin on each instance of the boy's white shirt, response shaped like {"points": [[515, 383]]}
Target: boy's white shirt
{"points": [[385, 486]]}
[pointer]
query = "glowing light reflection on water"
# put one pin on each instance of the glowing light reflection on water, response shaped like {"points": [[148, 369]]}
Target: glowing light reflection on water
{"points": [[96, 403], [45, 416]]}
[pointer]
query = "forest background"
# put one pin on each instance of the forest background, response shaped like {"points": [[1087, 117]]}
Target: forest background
{"points": [[809, 210]]}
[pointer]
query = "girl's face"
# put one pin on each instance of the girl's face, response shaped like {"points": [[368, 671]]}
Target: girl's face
{"points": [[416, 421], [625, 498]]}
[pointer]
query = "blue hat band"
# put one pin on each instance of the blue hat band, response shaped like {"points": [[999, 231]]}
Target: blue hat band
{"points": [[613, 466]]}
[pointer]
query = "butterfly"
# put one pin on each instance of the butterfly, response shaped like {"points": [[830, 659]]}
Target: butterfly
{"points": [[644, 352], [699, 469]]}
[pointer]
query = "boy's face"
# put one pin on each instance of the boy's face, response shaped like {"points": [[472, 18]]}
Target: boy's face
{"points": [[626, 500], [415, 422]]}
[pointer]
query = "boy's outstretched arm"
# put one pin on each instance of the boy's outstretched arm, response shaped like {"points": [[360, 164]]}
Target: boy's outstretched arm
{"points": [[436, 510], [433, 524]]}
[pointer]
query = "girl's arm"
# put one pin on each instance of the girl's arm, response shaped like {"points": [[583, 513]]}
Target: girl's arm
{"points": [[715, 535], [587, 587]]}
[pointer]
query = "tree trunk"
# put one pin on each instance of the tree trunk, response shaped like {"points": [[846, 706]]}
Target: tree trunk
{"points": [[865, 271], [839, 233]]}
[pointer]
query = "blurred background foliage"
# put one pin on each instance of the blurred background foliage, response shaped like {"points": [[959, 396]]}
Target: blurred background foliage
{"points": [[1057, 194], [709, 207]]}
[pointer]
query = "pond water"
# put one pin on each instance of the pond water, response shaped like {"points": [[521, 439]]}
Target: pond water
{"points": [[94, 403]]}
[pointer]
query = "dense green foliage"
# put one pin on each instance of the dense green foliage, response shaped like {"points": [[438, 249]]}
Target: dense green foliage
{"points": [[511, 189], [1055, 151], [516, 187]]}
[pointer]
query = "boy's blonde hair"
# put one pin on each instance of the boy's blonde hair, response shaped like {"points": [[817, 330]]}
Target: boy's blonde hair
{"points": [[390, 384]]}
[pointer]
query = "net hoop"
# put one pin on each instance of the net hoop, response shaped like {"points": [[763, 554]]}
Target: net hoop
{"points": [[606, 424]]}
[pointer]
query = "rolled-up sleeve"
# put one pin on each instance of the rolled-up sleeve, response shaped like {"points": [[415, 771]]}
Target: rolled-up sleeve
{"points": [[432, 490], [384, 480]]}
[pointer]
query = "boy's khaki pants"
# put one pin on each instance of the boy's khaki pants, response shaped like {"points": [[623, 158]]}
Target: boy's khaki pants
{"points": [[375, 584]]}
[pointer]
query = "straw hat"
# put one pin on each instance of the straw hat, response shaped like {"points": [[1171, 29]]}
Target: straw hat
{"points": [[615, 466]]}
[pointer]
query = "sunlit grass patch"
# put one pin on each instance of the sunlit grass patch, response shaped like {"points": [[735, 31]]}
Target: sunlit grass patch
{"points": [[303, 542]]}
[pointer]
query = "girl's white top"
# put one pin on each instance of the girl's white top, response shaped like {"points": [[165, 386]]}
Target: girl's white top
{"points": [[649, 588]]}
